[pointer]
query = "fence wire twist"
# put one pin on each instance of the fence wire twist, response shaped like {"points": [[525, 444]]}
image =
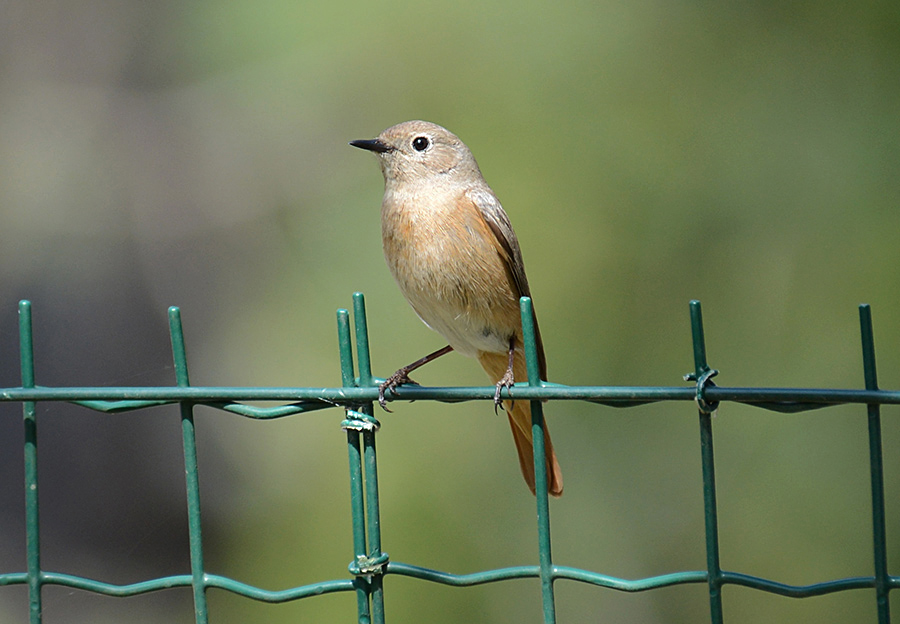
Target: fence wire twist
{"points": [[370, 564]]}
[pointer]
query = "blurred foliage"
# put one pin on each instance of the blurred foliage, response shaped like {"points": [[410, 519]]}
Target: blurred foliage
{"points": [[195, 153]]}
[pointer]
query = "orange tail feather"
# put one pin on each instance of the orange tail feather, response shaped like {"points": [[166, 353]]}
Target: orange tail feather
{"points": [[519, 413]]}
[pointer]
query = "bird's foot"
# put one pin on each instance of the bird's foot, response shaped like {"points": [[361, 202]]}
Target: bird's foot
{"points": [[507, 381], [399, 378]]}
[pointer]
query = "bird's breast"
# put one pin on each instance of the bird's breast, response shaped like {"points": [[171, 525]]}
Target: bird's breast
{"points": [[445, 260]]}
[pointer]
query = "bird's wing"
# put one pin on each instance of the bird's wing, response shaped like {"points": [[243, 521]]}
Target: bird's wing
{"points": [[508, 248], [498, 222]]}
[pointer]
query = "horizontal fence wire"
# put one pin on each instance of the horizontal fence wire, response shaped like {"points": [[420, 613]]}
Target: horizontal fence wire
{"points": [[356, 397]]}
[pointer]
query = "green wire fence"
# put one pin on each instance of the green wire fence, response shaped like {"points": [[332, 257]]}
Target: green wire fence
{"points": [[370, 564]]}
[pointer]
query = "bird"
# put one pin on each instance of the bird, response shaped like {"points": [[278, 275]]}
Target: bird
{"points": [[452, 251]]}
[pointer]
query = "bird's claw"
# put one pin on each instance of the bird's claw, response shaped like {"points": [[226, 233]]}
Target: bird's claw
{"points": [[399, 378], [507, 381]]}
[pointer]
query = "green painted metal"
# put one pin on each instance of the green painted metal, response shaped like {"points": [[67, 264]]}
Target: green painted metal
{"points": [[357, 506], [702, 375], [191, 473], [375, 557], [358, 391], [876, 469], [540, 464], [32, 510], [124, 399], [369, 561]]}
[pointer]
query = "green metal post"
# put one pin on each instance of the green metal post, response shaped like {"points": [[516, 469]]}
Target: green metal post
{"points": [[876, 469], [376, 583], [373, 509], [701, 375], [32, 515], [192, 479], [354, 452], [540, 463], [362, 340]]}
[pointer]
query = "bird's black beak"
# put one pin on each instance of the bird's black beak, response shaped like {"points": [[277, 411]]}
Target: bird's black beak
{"points": [[373, 145]]}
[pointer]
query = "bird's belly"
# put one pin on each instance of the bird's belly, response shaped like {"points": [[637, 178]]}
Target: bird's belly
{"points": [[466, 328], [461, 292]]}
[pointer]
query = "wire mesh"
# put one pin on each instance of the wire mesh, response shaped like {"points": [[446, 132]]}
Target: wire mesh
{"points": [[370, 564]]}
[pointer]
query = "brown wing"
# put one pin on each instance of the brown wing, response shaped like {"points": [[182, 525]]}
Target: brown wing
{"points": [[511, 254]]}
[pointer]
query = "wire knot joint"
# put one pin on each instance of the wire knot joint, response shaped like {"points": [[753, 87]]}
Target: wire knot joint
{"points": [[704, 381], [367, 566], [357, 421]]}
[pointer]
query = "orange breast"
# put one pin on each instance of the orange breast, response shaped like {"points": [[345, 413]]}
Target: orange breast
{"points": [[445, 260]]}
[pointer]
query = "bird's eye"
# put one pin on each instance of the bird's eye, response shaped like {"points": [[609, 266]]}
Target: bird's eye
{"points": [[420, 144]]}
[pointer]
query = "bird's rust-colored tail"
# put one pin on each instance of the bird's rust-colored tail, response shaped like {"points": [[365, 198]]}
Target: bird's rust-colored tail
{"points": [[519, 414]]}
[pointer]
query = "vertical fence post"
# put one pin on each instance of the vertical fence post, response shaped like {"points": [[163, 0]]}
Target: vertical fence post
{"points": [[876, 469], [377, 559], [357, 508], [191, 475], [540, 463], [702, 376], [32, 516], [361, 425]]}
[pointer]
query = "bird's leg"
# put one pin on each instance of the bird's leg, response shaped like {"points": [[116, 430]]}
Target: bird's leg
{"points": [[508, 378], [402, 375]]}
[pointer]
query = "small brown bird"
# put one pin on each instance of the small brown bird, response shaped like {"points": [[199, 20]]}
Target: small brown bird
{"points": [[453, 252]]}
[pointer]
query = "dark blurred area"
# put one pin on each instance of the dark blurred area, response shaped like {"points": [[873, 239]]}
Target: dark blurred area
{"points": [[648, 153]]}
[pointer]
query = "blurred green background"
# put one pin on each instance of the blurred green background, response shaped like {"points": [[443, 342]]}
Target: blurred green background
{"points": [[651, 152]]}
